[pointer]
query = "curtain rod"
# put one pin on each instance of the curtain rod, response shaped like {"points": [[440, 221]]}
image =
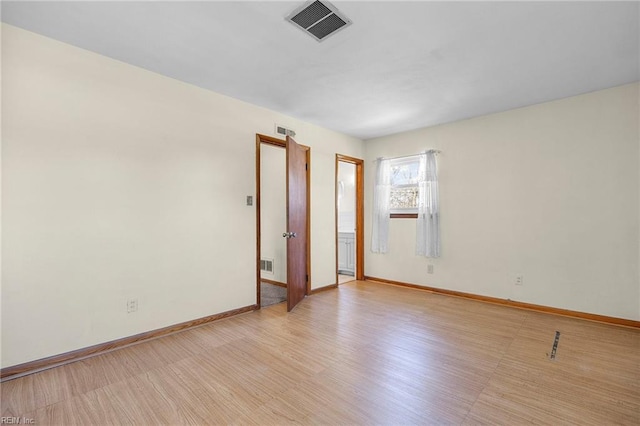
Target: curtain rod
{"points": [[436, 151]]}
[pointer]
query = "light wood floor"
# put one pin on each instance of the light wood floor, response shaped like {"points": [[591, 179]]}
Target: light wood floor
{"points": [[365, 353]]}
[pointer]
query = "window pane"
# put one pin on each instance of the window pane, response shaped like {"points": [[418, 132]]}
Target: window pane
{"points": [[405, 173], [404, 197]]}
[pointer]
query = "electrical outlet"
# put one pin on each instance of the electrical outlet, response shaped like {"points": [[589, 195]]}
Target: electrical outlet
{"points": [[429, 269], [132, 305], [519, 280]]}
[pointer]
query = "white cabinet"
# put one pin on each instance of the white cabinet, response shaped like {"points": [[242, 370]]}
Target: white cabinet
{"points": [[346, 253]]}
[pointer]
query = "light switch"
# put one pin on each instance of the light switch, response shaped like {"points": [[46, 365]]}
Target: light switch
{"points": [[249, 200]]}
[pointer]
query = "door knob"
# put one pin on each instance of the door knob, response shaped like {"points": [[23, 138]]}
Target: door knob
{"points": [[289, 234]]}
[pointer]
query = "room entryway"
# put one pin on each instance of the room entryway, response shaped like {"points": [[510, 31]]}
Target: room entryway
{"points": [[349, 219], [282, 221]]}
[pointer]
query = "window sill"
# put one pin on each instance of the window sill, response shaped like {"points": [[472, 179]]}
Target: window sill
{"points": [[403, 215]]}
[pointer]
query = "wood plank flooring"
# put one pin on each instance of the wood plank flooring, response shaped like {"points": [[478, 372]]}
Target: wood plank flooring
{"points": [[366, 354]]}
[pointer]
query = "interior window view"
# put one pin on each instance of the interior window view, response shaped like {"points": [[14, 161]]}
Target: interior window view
{"points": [[404, 174], [320, 212]]}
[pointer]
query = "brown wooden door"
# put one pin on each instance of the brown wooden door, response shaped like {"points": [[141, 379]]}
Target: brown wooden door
{"points": [[296, 223]]}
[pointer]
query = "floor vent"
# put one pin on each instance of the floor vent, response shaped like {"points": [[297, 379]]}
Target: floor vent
{"points": [[319, 19], [266, 265]]}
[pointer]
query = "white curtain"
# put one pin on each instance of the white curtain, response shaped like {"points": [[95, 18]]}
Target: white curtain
{"points": [[428, 224], [381, 209]]}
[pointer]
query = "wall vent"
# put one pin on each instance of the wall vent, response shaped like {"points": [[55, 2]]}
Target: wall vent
{"points": [[266, 265], [283, 131], [319, 19]]}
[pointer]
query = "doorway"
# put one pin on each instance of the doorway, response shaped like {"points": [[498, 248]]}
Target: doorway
{"points": [[273, 221], [349, 219], [282, 221]]}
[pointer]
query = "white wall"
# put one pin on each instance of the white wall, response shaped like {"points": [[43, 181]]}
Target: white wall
{"points": [[549, 191], [120, 183], [273, 210]]}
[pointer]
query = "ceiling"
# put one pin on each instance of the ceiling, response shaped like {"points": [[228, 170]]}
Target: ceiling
{"points": [[400, 66]]}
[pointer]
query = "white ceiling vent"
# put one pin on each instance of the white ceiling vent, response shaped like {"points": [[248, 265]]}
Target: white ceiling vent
{"points": [[319, 19]]}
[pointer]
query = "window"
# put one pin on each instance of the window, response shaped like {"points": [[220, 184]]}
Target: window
{"points": [[403, 194], [407, 187]]}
